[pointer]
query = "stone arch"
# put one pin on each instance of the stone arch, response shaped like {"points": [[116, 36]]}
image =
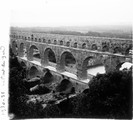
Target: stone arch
{"points": [[65, 85], [33, 72], [49, 41], [67, 60], [44, 40], [14, 47], [34, 53], [83, 45], [94, 47], [68, 43], [61, 42], [90, 66], [25, 38], [28, 38], [35, 39], [49, 56], [85, 63], [105, 48], [40, 40], [116, 50], [55, 42], [75, 45], [128, 49], [32, 37], [22, 49], [23, 64]]}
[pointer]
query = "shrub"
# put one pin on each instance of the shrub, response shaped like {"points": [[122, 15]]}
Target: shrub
{"points": [[108, 96]]}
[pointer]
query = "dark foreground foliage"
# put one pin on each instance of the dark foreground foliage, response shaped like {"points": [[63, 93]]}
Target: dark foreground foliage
{"points": [[108, 96], [16, 87]]}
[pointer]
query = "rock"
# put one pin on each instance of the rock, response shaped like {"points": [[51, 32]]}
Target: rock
{"points": [[39, 89], [32, 82]]}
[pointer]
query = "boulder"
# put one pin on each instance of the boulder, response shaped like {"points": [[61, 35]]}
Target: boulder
{"points": [[32, 82], [39, 89]]}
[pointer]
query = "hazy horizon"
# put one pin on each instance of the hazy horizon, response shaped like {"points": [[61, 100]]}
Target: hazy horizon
{"points": [[84, 29]]}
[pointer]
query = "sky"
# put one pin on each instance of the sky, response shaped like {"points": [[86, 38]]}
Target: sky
{"points": [[56, 13]]}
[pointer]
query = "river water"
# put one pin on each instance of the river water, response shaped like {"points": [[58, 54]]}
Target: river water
{"points": [[95, 70]]}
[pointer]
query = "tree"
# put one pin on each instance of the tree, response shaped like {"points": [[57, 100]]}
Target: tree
{"points": [[108, 96]]}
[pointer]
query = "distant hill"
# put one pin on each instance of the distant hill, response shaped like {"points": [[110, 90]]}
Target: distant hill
{"points": [[97, 31]]}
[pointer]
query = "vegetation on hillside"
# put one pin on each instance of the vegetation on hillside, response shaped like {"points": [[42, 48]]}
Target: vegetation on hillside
{"points": [[95, 34], [116, 32]]}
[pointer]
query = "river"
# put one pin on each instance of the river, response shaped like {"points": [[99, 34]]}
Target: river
{"points": [[95, 70]]}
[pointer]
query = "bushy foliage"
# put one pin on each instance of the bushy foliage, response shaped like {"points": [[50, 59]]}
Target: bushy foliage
{"points": [[16, 87], [113, 92], [109, 96], [77, 31], [51, 111], [28, 109], [18, 98], [17, 92]]}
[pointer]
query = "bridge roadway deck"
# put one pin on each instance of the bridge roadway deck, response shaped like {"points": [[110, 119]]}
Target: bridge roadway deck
{"points": [[53, 69]]}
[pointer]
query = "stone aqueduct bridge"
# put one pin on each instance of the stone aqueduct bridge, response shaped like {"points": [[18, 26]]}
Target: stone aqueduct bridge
{"points": [[100, 50]]}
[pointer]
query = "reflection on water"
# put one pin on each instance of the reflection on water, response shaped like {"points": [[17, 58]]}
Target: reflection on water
{"points": [[95, 70]]}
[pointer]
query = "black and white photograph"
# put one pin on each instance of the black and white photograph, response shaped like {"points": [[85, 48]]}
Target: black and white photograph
{"points": [[67, 59]]}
